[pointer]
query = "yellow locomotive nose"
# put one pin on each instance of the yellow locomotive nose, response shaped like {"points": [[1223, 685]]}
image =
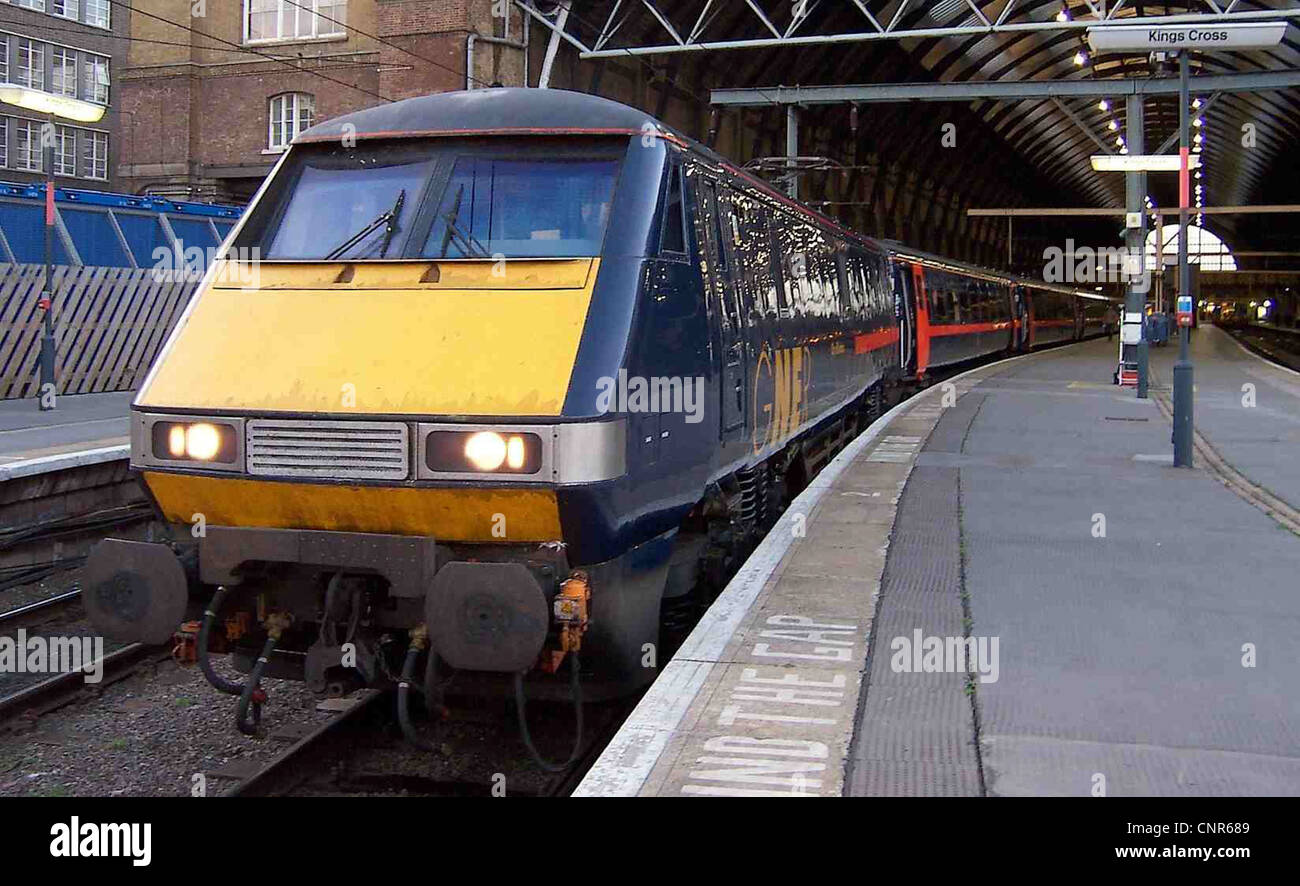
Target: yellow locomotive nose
{"points": [[480, 338]]}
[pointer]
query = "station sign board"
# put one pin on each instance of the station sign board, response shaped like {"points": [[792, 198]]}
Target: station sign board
{"points": [[1171, 38], [1184, 309]]}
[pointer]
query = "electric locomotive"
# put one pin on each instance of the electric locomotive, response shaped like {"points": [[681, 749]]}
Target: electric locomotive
{"points": [[490, 380]]}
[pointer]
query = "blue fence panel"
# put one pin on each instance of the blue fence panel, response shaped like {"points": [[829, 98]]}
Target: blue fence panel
{"points": [[85, 215], [144, 233], [24, 227], [93, 235], [193, 232]]}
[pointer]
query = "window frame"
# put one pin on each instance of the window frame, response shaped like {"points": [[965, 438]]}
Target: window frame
{"points": [[293, 118], [62, 135], [90, 64], [56, 66], [90, 139], [315, 17], [34, 47], [32, 128], [107, 7]]}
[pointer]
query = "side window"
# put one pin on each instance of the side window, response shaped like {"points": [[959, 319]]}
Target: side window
{"points": [[715, 212], [777, 225], [672, 236]]}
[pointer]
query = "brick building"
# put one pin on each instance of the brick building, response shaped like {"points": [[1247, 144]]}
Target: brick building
{"points": [[213, 90], [70, 48]]}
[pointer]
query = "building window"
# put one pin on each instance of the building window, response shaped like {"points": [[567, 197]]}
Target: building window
{"points": [[28, 144], [64, 8], [94, 87], [291, 113], [4, 59], [4, 141], [63, 71], [31, 65], [38, 5], [97, 13], [294, 19], [94, 154], [65, 152]]}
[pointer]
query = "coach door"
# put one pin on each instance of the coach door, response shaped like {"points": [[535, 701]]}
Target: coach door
{"points": [[1020, 313], [905, 316], [711, 220]]}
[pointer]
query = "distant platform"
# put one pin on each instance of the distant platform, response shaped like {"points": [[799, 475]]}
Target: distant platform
{"points": [[82, 429]]}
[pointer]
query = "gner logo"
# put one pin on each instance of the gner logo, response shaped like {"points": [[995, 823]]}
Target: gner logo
{"points": [[781, 381]]}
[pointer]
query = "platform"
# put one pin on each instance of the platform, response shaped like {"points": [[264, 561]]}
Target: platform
{"points": [[1145, 617], [83, 429]]}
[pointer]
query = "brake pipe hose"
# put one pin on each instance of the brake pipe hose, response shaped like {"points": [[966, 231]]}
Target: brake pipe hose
{"points": [[419, 639], [230, 687], [252, 697], [575, 690]]}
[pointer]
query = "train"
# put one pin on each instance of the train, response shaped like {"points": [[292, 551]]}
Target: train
{"points": [[489, 385]]}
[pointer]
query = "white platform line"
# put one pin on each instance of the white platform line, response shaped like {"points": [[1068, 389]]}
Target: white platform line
{"points": [[62, 460]]}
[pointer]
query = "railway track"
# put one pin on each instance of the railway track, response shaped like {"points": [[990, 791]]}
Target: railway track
{"points": [[335, 758], [20, 709], [61, 613], [1278, 345], [39, 612]]}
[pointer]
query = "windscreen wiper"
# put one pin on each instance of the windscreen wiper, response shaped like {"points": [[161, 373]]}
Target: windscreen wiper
{"points": [[466, 243], [389, 219]]}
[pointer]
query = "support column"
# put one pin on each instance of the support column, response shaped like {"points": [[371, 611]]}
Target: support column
{"points": [[46, 391], [1135, 189], [792, 148], [1183, 368]]}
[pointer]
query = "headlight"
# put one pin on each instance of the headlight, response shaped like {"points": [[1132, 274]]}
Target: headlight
{"points": [[458, 452], [194, 441]]}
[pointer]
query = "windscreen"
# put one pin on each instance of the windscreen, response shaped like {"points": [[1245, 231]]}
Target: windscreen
{"points": [[441, 198], [523, 208]]}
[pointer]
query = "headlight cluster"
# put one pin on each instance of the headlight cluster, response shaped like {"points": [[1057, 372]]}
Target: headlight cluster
{"points": [[458, 452], [195, 441]]}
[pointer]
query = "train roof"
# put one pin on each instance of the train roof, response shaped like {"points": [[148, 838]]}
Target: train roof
{"points": [[903, 252], [495, 111]]}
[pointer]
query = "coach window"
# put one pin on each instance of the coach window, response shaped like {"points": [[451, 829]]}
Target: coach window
{"points": [[845, 300], [672, 236]]}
